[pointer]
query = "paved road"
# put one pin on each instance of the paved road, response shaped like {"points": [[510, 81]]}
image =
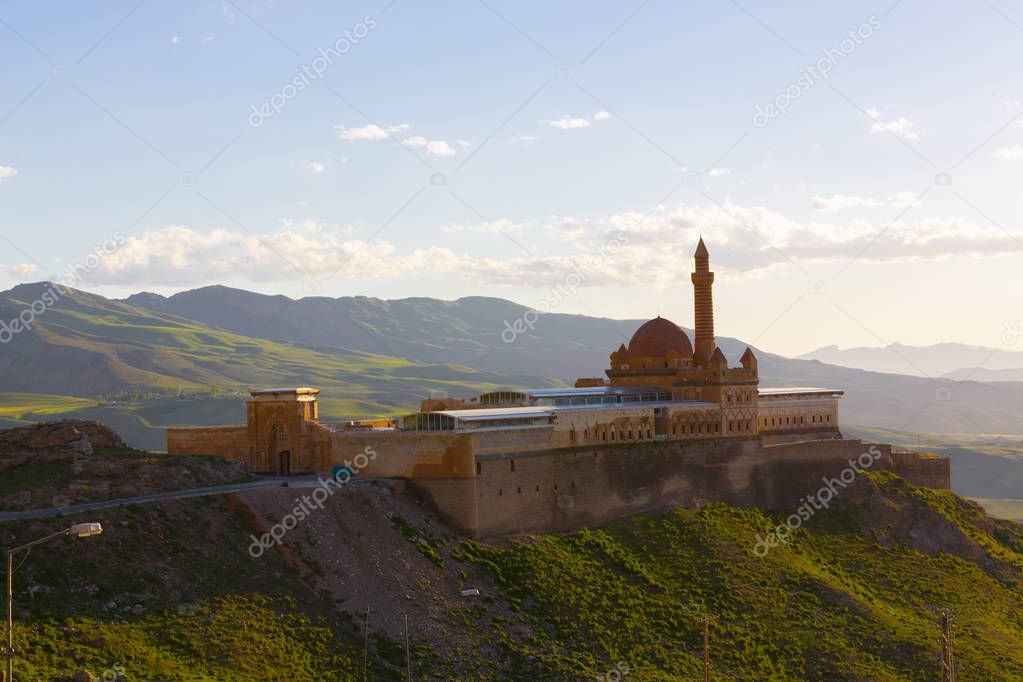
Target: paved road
{"points": [[268, 482]]}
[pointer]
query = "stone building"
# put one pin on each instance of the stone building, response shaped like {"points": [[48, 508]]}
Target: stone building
{"points": [[670, 424]]}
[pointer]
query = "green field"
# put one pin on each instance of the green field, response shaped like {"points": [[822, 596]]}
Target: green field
{"points": [[851, 596], [1009, 446], [18, 405]]}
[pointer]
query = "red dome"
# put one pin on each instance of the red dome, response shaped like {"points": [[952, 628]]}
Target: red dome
{"points": [[657, 338]]}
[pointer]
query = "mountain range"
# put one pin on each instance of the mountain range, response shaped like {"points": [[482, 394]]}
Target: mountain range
{"points": [[947, 360], [373, 356]]}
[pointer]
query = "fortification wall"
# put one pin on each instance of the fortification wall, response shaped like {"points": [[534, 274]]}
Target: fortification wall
{"points": [[231, 442], [412, 455], [921, 469], [572, 488]]}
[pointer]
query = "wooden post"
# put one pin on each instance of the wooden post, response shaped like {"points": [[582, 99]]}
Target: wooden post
{"points": [[365, 649], [705, 621], [408, 657], [706, 650], [948, 665]]}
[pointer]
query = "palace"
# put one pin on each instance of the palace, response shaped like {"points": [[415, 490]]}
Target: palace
{"points": [[671, 423]]}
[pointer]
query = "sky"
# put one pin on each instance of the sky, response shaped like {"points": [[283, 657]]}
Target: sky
{"points": [[854, 168]]}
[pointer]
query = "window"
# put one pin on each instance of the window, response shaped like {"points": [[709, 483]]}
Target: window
{"points": [[479, 468], [512, 465], [520, 490]]}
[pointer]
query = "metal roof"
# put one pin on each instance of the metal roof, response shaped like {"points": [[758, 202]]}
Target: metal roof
{"points": [[592, 390], [497, 413], [298, 391], [638, 405], [799, 390]]}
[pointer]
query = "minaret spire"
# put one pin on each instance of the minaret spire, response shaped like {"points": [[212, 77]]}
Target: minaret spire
{"points": [[703, 279]]}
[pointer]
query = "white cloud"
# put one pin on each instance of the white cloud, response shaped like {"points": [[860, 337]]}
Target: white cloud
{"points": [[175, 40], [523, 138], [496, 227], [601, 116], [435, 147], [745, 241], [24, 270], [177, 255], [718, 172], [206, 40], [567, 122], [370, 132], [464, 144], [567, 229], [837, 202], [1013, 153], [7, 172], [901, 126], [315, 166]]}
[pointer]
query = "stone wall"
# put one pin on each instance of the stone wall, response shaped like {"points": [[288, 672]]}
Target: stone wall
{"points": [[231, 442], [406, 454], [579, 487]]}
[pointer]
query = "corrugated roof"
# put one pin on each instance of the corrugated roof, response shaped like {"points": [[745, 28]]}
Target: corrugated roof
{"points": [[299, 391], [592, 390], [497, 413], [799, 390]]}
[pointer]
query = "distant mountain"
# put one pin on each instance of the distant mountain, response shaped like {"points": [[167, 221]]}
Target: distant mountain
{"points": [[475, 331], [469, 331], [986, 375], [371, 356], [87, 345], [954, 360]]}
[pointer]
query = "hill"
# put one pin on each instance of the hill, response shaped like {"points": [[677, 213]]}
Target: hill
{"points": [[147, 366], [126, 358], [169, 592], [565, 347]]}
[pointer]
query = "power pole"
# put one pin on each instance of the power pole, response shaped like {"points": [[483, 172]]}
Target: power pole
{"points": [[365, 649], [706, 621], [948, 666], [408, 658]]}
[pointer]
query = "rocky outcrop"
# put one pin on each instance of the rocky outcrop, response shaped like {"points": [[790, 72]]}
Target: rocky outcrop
{"points": [[76, 434], [891, 511]]}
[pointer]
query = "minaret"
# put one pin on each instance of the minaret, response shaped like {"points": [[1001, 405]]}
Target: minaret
{"points": [[703, 278]]}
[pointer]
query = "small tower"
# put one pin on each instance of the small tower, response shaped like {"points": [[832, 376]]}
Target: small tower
{"points": [[749, 361], [703, 279]]}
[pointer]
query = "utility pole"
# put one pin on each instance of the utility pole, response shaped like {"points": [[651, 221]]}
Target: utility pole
{"points": [[365, 649], [9, 647], [948, 666], [408, 658], [706, 621]]}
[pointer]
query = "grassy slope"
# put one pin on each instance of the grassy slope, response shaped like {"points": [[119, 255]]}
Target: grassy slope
{"points": [[832, 605], [839, 602], [211, 611]]}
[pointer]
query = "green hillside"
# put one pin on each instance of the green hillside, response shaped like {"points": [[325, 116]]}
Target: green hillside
{"points": [[90, 357], [853, 596], [473, 331]]}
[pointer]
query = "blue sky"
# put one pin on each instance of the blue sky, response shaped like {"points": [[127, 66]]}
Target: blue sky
{"points": [[517, 141]]}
